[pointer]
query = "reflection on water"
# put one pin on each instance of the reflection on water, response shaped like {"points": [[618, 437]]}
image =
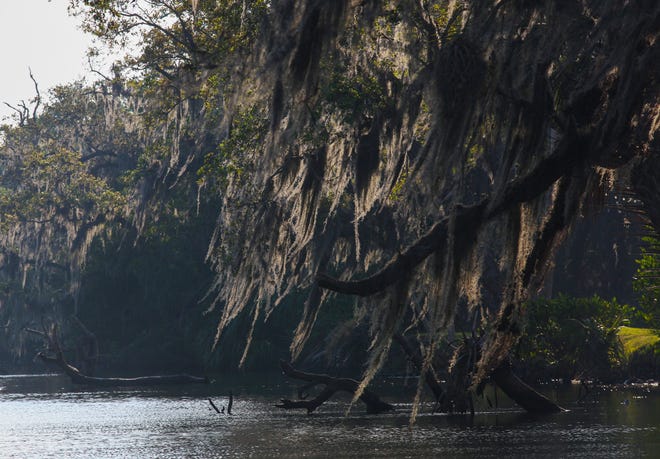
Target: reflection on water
{"points": [[44, 416]]}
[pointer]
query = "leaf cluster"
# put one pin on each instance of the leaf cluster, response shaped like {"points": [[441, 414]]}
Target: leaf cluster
{"points": [[232, 157], [172, 34], [574, 337], [49, 182], [646, 281]]}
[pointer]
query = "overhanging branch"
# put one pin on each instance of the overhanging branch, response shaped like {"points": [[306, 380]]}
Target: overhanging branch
{"points": [[468, 218]]}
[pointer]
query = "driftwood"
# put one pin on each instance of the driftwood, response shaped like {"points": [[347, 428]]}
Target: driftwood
{"points": [[54, 355], [229, 405], [216, 408], [332, 384]]}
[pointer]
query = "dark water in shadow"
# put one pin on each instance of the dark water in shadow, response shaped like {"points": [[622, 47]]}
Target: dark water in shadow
{"points": [[44, 416]]}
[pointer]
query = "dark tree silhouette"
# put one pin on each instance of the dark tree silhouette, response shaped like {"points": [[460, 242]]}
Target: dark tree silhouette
{"points": [[409, 142]]}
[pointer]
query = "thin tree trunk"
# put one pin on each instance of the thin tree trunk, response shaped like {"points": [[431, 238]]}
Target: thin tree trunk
{"points": [[430, 376]]}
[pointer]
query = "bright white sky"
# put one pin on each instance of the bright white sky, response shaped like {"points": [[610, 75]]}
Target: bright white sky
{"points": [[38, 34]]}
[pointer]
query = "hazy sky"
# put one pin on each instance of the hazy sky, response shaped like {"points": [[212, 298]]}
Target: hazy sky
{"points": [[38, 34]]}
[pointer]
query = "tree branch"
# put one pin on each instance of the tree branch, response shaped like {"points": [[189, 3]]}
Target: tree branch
{"points": [[37, 98], [469, 218], [374, 404]]}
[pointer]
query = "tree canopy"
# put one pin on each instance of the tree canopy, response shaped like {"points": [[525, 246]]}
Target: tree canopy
{"points": [[426, 157], [412, 143]]}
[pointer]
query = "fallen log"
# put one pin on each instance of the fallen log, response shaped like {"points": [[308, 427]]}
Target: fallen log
{"points": [[332, 384], [56, 357], [79, 378]]}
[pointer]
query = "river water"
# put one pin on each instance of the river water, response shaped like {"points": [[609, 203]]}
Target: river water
{"points": [[44, 416]]}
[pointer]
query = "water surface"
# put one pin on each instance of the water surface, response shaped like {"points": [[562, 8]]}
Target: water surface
{"points": [[46, 417]]}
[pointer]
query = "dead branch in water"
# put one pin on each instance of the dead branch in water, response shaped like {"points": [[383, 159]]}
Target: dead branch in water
{"points": [[53, 354], [332, 384]]}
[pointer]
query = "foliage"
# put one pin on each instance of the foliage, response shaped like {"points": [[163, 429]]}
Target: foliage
{"points": [[55, 182], [642, 349], [231, 161], [359, 96], [647, 281], [636, 339], [573, 337], [173, 34]]}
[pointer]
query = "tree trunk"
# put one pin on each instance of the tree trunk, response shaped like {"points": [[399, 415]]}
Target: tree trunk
{"points": [[529, 399], [430, 376], [517, 390]]}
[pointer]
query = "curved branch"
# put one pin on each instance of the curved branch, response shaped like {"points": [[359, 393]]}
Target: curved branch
{"points": [[433, 240], [469, 218]]}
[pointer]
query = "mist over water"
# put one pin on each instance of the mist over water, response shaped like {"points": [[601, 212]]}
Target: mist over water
{"points": [[44, 416]]}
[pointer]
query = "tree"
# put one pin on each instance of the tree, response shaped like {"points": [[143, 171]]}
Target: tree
{"points": [[51, 208], [89, 179], [130, 139], [407, 140], [404, 149]]}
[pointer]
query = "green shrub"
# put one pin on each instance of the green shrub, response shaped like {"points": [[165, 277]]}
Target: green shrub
{"points": [[641, 347], [570, 338], [647, 282]]}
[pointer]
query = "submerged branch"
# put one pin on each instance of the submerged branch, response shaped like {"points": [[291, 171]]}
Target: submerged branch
{"points": [[332, 384], [55, 356], [79, 378]]}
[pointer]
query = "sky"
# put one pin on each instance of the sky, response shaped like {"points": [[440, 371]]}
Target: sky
{"points": [[40, 35]]}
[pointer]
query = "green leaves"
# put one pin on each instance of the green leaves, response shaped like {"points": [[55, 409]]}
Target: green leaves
{"points": [[647, 281], [46, 183], [361, 95], [574, 336], [171, 34], [231, 159]]}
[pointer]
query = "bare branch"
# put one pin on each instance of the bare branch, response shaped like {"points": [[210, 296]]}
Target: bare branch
{"points": [[37, 98]]}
